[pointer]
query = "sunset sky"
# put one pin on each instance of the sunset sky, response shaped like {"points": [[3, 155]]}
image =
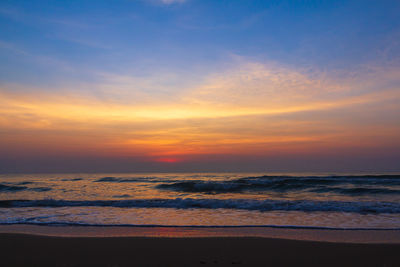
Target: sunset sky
{"points": [[197, 85]]}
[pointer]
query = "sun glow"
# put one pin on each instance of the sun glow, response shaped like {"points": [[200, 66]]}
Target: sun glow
{"points": [[168, 160], [252, 110]]}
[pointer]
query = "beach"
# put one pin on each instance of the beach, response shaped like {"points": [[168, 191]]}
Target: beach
{"points": [[32, 245], [35, 250]]}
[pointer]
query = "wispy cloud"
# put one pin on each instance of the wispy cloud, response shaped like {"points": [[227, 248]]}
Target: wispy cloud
{"points": [[244, 88], [168, 2], [12, 47], [36, 58], [249, 108]]}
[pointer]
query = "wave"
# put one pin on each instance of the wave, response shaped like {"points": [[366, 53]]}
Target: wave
{"points": [[356, 191], [241, 204], [279, 185], [25, 183], [12, 188], [71, 179], [350, 184], [62, 223], [16, 188], [130, 180]]}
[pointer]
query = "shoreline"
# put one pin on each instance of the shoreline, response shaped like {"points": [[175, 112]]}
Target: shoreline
{"points": [[36, 250], [300, 234]]}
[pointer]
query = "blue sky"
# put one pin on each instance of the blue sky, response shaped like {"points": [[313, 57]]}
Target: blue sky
{"points": [[291, 77], [71, 39]]}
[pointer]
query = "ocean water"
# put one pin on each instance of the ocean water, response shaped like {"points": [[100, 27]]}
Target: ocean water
{"points": [[202, 200]]}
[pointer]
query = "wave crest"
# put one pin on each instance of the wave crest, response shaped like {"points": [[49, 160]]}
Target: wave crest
{"points": [[359, 185], [242, 204]]}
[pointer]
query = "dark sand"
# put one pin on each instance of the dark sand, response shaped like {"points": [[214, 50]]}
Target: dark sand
{"points": [[31, 250]]}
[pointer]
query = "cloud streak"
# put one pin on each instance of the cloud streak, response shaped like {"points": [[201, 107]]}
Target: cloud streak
{"points": [[250, 108], [168, 2]]}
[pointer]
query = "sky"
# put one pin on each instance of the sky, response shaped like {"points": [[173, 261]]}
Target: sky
{"points": [[199, 86]]}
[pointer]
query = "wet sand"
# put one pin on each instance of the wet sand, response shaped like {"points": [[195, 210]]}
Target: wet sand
{"points": [[323, 235], [35, 250]]}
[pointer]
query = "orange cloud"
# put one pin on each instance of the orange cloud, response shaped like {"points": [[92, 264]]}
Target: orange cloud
{"points": [[253, 109]]}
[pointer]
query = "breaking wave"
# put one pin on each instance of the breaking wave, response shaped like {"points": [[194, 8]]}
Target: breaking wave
{"points": [[359, 185], [241, 204], [82, 224]]}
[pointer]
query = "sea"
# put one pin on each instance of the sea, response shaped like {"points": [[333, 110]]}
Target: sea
{"points": [[276, 200]]}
